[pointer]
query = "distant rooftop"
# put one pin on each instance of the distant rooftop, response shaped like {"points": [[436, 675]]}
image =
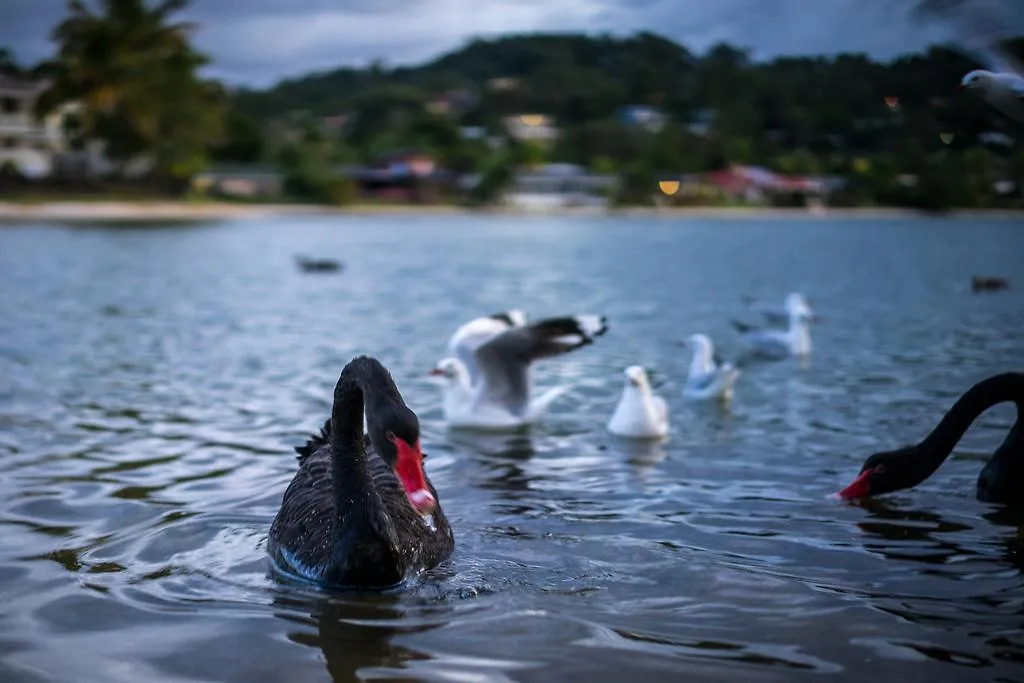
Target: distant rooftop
{"points": [[24, 85]]}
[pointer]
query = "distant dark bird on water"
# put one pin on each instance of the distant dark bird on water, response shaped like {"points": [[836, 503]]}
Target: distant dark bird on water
{"points": [[988, 284], [318, 265]]}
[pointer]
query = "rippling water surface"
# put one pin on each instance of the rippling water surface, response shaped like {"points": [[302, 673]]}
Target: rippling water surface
{"points": [[153, 381]]}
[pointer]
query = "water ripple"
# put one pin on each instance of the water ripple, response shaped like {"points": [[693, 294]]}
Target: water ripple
{"points": [[155, 382]]}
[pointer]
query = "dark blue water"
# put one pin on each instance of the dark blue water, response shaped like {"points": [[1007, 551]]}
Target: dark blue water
{"points": [[153, 382]]}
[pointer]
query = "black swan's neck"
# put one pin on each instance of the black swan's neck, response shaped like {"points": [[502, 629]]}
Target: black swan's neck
{"points": [[363, 385], [937, 446]]}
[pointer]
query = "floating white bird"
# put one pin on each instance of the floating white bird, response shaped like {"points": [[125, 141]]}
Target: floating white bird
{"points": [[795, 301], [772, 343], [486, 377], [640, 414], [980, 26], [709, 376]]}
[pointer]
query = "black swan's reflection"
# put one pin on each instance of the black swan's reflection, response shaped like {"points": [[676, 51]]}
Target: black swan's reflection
{"points": [[903, 533], [355, 633], [990, 613]]}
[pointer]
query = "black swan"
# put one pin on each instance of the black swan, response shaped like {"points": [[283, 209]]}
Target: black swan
{"points": [[1002, 478], [360, 512]]}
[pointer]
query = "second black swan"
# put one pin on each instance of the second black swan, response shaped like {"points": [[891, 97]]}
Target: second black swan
{"points": [[361, 512], [1002, 478]]}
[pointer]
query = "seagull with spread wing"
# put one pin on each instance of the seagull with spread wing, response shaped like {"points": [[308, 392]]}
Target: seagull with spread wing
{"points": [[486, 376], [981, 26]]}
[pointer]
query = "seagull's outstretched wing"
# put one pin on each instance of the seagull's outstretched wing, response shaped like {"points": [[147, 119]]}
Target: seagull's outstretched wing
{"points": [[1011, 100], [504, 361], [980, 26], [742, 327], [472, 335]]}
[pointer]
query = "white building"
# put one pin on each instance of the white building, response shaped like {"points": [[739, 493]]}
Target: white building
{"points": [[26, 144], [650, 119], [559, 186], [533, 127], [39, 148], [242, 180]]}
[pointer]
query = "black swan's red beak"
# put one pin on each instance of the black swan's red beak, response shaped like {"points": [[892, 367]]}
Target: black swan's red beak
{"points": [[860, 488], [409, 468]]}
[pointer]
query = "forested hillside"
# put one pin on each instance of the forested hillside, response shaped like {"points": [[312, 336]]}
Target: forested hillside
{"points": [[843, 115]]}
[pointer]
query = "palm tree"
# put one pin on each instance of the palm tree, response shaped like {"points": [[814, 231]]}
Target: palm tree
{"points": [[8, 65], [133, 73]]}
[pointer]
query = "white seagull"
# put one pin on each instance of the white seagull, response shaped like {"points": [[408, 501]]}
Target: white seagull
{"points": [[981, 25], [639, 414], [486, 375], [795, 340], [709, 376], [795, 301]]}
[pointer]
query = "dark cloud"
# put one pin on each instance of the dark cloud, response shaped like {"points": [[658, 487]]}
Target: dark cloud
{"points": [[260, 41]]}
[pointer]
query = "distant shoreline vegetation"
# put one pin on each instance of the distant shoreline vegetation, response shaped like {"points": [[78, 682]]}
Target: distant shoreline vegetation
{"points": [[535, 120]]}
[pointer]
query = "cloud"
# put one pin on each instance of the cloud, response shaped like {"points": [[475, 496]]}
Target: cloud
{"points": [[260, 41], [407, 32]]}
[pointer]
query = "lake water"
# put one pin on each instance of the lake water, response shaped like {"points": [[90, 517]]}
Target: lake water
{"points": [[153, 381]]}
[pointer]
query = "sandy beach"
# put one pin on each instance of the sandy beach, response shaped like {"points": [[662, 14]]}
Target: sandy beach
{"points": [[164, 211]]}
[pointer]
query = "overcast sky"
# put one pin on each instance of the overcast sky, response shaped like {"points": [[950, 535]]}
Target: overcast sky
{"points": [[257, 42]]}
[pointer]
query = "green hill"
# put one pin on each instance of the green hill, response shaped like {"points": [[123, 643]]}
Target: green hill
{"points": [[795, 114]]}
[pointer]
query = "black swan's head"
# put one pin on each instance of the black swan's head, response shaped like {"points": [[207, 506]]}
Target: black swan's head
{"points": [[394, 431], [886, 472]]}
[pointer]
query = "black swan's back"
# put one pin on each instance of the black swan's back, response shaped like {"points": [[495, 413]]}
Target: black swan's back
{"points": [[354, 529]]}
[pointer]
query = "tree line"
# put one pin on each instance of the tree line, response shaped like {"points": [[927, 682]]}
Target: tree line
{"points": [[136, 75]]}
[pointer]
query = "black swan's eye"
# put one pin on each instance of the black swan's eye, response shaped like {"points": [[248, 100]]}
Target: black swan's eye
{"points": [[390, 435]]}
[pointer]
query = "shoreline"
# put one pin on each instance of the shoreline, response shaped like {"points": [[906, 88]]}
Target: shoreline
{"points": [[191, 211]]}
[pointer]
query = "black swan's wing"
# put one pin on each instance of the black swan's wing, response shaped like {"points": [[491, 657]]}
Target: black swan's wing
{"points": [[315, 442], [301, 535], [422, 542]]}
